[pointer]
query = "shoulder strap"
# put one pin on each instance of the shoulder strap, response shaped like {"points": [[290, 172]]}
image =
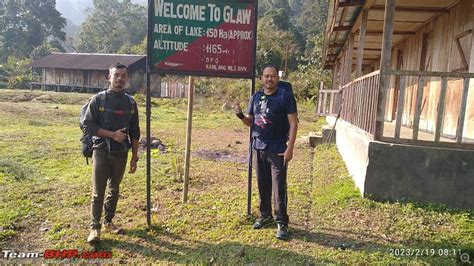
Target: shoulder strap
{"points": [[102, 96], [281, 95], [131, 102]]}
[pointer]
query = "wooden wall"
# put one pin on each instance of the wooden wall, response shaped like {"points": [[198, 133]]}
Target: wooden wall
{"points": [[434, 48], [90, 78], [72, 77]]}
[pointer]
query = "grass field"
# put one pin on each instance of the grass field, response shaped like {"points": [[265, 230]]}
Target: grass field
{"points": [[45, 195]]}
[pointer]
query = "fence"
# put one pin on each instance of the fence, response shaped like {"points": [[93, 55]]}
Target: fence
{"points": [[358, 100]]}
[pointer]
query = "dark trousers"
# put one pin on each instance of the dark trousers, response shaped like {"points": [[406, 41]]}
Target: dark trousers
{"points": [[107, 171], [271, 176]]}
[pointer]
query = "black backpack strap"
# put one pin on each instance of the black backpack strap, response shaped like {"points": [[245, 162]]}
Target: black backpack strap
{"points": [[131, 102], [102, 97]]}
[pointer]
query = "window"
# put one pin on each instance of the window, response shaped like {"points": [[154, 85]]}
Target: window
{"points": [[462, 52]]}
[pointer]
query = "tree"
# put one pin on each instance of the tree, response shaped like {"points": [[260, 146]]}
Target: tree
{"points": [[310, 71], [310, 16], [134, 49], [27, 25], [46, 49], [266, 5], [111, 25], [279, 42]]}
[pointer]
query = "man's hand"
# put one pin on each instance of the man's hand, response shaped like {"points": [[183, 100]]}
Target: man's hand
{"points": [[287, 156], [133, 165], [119, 135], [246, 119], [237, 108]]}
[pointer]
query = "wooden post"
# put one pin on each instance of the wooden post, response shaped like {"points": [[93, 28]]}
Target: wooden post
{"points": [[385, 66], [320, 96], [325, 105], [441, 103], [462, 112], [334, 76], [418, 111], [348, 67], [360, 48], [331, 104], [188, 138], [401, 103]]}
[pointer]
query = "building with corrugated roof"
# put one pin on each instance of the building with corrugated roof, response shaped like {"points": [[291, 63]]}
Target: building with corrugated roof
{"points": [[84, 72]]}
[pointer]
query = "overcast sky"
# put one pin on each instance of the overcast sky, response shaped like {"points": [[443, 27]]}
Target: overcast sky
{"points": [[74, 10]]}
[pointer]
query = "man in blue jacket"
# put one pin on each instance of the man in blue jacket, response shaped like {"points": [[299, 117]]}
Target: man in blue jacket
{"points": [[273, 118]]}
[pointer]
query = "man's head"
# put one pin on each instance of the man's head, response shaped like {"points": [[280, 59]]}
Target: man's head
{"points": [[118, 76], [270, 76]]}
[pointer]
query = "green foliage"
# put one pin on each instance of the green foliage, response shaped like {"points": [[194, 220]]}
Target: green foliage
{"points": [[46, 49], [310, 16], [27, 25], [306, 80], [111, 25], [3, 74], [221, 88], [18, 72], [177, 166], [279, 42], [134, 49], [266, 5], [19, 82], [12, 170], [290, 36]]}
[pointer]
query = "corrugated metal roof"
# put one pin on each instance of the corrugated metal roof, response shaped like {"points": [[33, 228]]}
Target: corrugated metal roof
{"points": [[85, 61]]}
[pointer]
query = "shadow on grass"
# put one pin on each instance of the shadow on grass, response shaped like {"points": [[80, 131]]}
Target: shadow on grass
{"points": [[159, 245], [423, 250]]}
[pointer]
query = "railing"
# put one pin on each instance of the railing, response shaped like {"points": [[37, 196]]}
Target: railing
{"points": [[329, 102], [358, 105], [421, 78], [360, 98]]}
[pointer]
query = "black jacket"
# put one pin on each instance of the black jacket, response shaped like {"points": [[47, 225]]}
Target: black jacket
{"points": [[118, 112]]}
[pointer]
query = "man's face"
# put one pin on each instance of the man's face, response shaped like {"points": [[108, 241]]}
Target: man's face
{"points": [[118, 77], [270, 78]]}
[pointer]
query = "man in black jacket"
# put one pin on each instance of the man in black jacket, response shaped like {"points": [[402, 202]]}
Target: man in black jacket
{"points": [[115, 127]]}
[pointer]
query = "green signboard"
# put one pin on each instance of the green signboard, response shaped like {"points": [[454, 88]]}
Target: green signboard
{"points": [[202, 38]]}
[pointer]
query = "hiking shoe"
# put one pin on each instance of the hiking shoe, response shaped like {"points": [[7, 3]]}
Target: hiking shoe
{"points": [[262, 221], [94, 236], [112, 228], [282, 231]]}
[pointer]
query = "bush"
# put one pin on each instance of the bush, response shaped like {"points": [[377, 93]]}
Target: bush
{"points": [[3, 74], [19, 82], [19, 73]]}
